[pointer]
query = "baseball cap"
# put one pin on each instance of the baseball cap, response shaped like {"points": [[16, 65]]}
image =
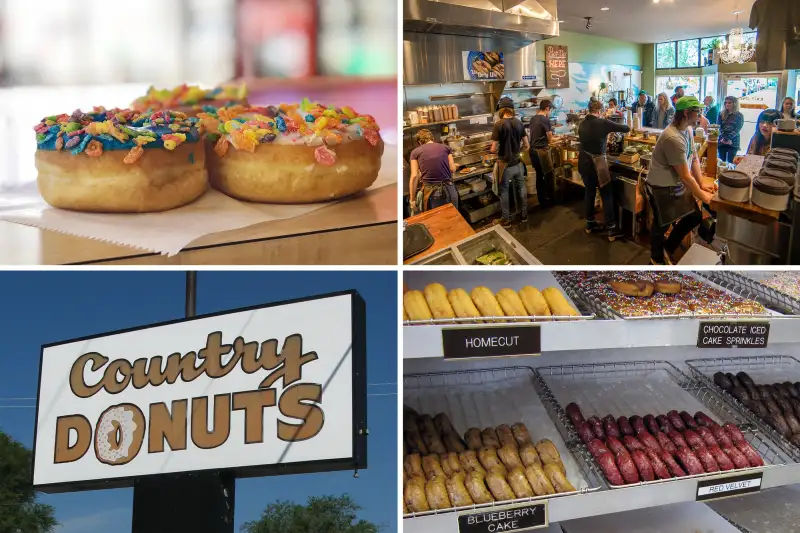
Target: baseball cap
{"points": [[642, 92], [688, 102], [505, 102]]}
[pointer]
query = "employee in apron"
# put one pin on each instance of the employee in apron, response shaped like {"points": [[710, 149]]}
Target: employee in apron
{"points": [[593, 166], [432, 163], [674, 183], [508, 140], [541, 133]]}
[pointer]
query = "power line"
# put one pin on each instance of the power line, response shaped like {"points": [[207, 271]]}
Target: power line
{"points": [[15, 399]]}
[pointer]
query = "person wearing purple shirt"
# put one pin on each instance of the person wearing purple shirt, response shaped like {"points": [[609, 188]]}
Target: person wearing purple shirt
{"points": [[432, 164]]}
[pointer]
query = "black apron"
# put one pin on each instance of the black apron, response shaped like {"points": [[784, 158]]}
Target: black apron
{"points": [[671, 204], [601, 168]]}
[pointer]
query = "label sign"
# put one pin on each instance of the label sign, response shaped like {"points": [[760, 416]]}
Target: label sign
{"points": [[479, 120], [521, 518], [718, 334], [267, 388], [501, 341], [712, 489], [556, 63]]}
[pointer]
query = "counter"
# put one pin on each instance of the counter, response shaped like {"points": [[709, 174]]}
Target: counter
{"points": [[446, 226]]}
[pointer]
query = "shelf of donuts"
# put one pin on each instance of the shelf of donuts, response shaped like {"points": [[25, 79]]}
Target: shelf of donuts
{"points": [[609, 415], [779, 291], [657, 295], [767, 387], [443, 298], [511, 452]]}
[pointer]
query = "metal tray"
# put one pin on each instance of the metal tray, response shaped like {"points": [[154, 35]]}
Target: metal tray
{"points": [[445, 257], [488, 398], [465, 250], [642, 387], [603, 310], [468, 279], [764, 369], [748, 285]]}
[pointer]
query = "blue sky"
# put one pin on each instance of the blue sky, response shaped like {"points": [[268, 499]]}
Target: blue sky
{"points": [[42, 307]]}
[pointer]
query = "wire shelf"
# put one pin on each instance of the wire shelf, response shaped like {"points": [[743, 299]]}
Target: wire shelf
{"points": [[642, 387], [751, 288], [488, 398], [764, 369]]}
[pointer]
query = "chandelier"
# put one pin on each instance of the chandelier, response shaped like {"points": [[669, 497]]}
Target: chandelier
{"points": [[737, 50]]}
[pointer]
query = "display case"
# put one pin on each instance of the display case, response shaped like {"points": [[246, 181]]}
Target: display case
{"points": [[608, 363]]}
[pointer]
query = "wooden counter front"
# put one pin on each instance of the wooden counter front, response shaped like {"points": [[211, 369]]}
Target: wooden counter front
{"points": [[748, 211], [445, 224]]}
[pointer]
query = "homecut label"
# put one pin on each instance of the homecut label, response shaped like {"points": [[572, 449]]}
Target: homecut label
{"points": [[712, 489], [502, 341], [524, 518], [733, 334]]}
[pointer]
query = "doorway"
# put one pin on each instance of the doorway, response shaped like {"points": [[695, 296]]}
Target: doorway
{"points": [[756, 92]]}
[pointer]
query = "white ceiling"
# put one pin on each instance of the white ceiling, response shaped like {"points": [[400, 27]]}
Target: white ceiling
{"points": [[644, 21]]}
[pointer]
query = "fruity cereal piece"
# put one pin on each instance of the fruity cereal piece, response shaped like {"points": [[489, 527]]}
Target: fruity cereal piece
{"points": [[94, 149], [325, 156], [134, 155], [221, 148]]}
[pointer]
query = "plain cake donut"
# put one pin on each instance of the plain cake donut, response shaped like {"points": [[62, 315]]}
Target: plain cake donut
{"points": [[291, 154], [118, 161]]}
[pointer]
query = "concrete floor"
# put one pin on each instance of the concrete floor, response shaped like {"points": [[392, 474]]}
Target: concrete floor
{"points": [[556, 236]]}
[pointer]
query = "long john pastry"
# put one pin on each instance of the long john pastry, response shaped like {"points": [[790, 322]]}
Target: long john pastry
{"points": [[292, 154]]}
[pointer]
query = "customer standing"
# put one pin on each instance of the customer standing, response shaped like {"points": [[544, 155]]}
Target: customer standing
{"points": [[761, 142], [662, 116], [648, 107], [432, 163], [712, 110], [674, 181], [508, 140], [541, 132], [731, 122], [593, 135], [787, 109], [679, 93]]}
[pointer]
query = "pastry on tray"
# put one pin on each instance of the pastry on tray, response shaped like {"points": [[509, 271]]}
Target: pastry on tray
{"points": [[291, 153], [120, 161]]}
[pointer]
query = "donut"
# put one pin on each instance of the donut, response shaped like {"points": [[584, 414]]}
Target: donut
{"points": [[637, 288], [119, 435], [191, 99], [667, 286], [118, 161], [291, 154]]}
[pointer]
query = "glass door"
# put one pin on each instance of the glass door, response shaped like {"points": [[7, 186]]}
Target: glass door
{"points": [[755, 93]]}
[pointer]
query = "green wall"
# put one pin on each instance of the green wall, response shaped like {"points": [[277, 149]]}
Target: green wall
{"points": [[593, 49], [649, 68]]}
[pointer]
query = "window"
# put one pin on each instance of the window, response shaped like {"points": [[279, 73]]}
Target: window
{"points": [[665, 55], [689, 53], [749, 38], [705, 43], [667, 84]]}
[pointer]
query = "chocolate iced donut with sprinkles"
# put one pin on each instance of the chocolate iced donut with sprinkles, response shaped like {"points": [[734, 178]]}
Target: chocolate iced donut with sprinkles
{"points": [[118, 161], [292, 153]]}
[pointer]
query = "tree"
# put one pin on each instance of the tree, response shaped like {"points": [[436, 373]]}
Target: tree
{"points": [[325, 514], [19, 512]]}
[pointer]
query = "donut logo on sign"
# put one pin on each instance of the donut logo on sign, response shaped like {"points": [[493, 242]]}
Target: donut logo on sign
{"points": [[123, 430]]}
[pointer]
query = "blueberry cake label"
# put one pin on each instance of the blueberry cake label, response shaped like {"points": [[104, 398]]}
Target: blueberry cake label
{"points": [[500, 341], [712, 489], [719, 334], [512, 518]]}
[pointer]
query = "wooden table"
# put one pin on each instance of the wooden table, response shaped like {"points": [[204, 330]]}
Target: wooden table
{"points": [[445, 224], [358, 231], [749, 210]]}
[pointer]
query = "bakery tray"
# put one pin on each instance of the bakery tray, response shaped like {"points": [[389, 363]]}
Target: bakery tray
{"points": [[769, 511], [764, 369], [489, 398], [604, 310], [748, 285], [640, 388], [496, 281]]}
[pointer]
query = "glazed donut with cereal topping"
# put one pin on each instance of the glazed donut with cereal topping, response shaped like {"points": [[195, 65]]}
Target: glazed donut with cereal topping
{"points": [[118, 161], [191, 99], [292, 154]]}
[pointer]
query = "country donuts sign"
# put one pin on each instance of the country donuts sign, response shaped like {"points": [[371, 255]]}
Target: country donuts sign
{"points": [[259, 391]]}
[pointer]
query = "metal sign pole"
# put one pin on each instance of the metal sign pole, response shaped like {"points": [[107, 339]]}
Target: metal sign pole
{"points": [[184, 503]]}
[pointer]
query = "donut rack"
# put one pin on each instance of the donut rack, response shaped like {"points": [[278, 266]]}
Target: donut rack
{"points": [[488, 398], [747, 287], [763, 369], [601, 309], [642, 387]]}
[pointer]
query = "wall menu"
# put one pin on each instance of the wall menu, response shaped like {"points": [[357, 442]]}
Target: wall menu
{"points": [[718, 334], [556, 63], [500, 341]]}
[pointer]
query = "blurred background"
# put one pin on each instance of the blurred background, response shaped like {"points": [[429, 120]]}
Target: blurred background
{"points": [[58, 56]]}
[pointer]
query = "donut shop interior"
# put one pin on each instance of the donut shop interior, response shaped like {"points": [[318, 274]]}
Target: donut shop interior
{"points": [[544, 63], [315, 57]]}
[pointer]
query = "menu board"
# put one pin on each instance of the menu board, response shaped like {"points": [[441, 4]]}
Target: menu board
{"points": [[556, 66], [483, 65]]}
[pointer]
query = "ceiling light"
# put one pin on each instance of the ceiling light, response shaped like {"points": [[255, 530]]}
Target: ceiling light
{"points": [[604, 8], [737, 50], [655, 1]]}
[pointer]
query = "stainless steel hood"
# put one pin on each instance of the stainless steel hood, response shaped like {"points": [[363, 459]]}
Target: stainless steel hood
{"points": [[526, 20]]}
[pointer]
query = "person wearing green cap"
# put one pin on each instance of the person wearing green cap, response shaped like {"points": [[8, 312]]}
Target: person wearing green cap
{"points": [[648, 106], [674, 181]]}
